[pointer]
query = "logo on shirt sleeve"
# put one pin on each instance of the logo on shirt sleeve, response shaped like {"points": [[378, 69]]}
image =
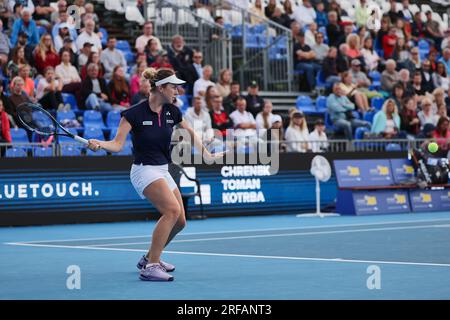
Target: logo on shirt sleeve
{"points": [[147, 123]]}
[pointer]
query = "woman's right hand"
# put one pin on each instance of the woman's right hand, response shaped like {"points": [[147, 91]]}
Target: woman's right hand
{"points": [[94, 144]]}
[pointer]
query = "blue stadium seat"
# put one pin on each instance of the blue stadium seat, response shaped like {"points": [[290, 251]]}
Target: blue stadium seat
{"points": [[42, 152], [105, 35], [19, 135], [15, 152], [94, 133], [42, 119], [68, 139], [92, 118], [424, 48], [123, 45], [70, 99], [65, 115], [368, 116], [99, 153], [393, 147], [377, 103], [41, 31], [259, 28], [321, 84], [70, 150], [129, 57], [359, 133], [375, 76], [305, 104], [113, 119], [321, 103]]}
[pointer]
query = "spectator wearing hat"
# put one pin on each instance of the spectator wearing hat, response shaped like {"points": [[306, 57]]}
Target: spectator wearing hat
{"points": [[305, 60], [64, 23], [111, 57], [27, 25], [318, 137], [63, 33], [244, 122], [254, 102], [340, 109], [22, 42], [297, 135]]}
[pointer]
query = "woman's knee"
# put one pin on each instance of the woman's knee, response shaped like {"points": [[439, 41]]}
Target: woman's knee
{"points": [[172, 211]]}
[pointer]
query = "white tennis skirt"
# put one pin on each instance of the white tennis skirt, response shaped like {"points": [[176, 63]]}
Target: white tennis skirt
{"points": [[143, 175]]}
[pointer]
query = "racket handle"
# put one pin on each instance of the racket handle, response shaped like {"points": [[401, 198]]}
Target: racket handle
{"points": [[80, 139]]}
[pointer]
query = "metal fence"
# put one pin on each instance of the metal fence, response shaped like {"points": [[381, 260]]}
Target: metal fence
{"points": [[351, 146], [262, 51], [199, 32]]}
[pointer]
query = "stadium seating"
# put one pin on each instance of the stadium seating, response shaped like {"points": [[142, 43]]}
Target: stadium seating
{"points": [[99, 153], [393, 147], [15, 152], [377, 103], [94, 133], [71, 100], [113, 119], [70, 150], [19, 135], [93, 119], [42, 152], [305, 104], [321, 103], [65, 115]]}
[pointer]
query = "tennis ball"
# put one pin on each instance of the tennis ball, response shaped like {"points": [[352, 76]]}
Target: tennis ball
{"points": [[433, 147]]}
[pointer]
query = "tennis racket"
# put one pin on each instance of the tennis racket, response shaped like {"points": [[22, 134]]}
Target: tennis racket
{"points": [[36, 119]]}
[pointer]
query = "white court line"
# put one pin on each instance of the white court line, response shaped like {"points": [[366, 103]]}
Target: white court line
{"points": [[280, 235], [246, 230], [429, 264]]}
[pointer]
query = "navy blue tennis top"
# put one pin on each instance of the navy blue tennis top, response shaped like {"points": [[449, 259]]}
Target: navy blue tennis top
{"points": [[151, 132]]}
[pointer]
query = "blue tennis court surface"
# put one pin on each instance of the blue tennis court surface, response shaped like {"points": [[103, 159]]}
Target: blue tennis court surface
{"points": [[270, 257]]}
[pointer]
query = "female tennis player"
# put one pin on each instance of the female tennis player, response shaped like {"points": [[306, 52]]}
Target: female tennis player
{"points": [[151, 124]]}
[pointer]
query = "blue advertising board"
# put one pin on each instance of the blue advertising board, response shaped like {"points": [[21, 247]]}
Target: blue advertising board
{"points": [[402, 170], [363, 173], [427, 200], [381, 202]]}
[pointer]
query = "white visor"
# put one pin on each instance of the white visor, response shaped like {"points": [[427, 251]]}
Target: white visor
{"points": [[172, 80]]}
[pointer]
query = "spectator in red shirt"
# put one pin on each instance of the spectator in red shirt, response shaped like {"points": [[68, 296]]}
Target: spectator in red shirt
{"points": [[389, 42], [219, 119], [45, 54]]}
